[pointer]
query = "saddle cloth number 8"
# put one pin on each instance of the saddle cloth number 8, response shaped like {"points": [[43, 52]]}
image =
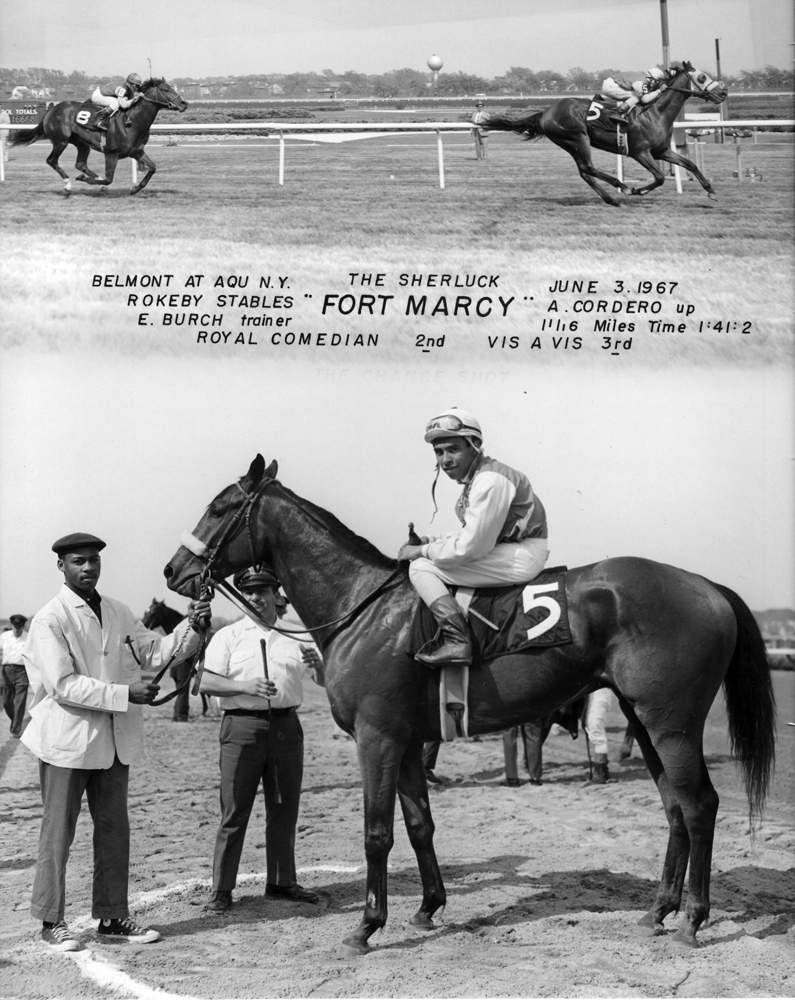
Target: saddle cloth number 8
{"points": [[533, 596]]}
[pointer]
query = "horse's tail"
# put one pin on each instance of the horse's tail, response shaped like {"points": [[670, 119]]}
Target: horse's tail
{"points": [[26, 137], [527, 126], [750, 705]]}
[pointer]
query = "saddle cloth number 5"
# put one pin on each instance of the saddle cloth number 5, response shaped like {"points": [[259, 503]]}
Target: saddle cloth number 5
{"points": [[533, 596], [594, 110]]}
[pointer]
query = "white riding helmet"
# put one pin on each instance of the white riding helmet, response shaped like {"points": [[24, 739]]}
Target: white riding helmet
{"points": [[655, 73], [453, 422], [134, 80]]}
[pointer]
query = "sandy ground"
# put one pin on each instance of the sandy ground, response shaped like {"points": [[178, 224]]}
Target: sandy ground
{"points": [[545, 885]]}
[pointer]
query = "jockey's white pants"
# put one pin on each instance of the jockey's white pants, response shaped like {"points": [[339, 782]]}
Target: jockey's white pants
{"points": [[508, 562], [596, 718], [107, 102]]}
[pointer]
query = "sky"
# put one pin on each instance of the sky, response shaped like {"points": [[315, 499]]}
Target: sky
{"points": [[660, 463], [200, 38]]}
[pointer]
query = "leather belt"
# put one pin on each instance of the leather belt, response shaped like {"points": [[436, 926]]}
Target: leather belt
{"points": [[252, 713]]}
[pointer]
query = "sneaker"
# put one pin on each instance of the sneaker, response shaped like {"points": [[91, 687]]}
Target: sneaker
{"points": [[126, 930], [59, 937]]}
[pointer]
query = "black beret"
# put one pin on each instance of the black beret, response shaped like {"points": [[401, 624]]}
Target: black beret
{"points": [[255, 578], [77, 540]]}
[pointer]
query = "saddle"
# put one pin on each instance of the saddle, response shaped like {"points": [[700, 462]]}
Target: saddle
{"points": [[502, 621], [600, 119], [505, 620], [94, 117]]}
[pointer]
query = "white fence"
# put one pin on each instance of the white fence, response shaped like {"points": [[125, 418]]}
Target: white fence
{"points": [[368, 130]]}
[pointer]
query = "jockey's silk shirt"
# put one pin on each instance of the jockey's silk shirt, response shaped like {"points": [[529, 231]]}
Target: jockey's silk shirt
{"points": [[235, 652], [496, 505], [79, 673]]}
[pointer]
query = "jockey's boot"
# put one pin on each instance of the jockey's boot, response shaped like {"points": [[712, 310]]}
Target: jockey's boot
{"points": [[620, 116], [102, 120], [457, 648], [601, 774]]}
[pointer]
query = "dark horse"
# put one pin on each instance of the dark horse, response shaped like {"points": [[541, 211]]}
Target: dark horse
{"points": [[120, 141], [661, 638], [570, 124], [160, 615]]}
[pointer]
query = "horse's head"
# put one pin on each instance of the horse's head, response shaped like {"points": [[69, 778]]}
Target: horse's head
{"points": [[158, 92], [151, 616], [700, 83], [225, 539]]}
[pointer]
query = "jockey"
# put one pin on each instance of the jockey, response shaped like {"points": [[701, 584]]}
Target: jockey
{"points": [[629, 94], [502, 539], [114, 98]]}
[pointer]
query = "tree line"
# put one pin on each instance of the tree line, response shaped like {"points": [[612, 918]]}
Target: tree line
{"points": [[397, 83]]}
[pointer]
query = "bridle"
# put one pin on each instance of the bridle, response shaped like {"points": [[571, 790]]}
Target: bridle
{"points": [[700, 91], [241, 520], [164, 102]]}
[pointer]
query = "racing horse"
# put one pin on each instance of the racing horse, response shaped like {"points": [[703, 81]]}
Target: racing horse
{"points": [[573, 125], [61, 125], [663, 639]]}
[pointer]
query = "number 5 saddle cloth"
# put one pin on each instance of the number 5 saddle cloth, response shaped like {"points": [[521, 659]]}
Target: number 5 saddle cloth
{"points": [[505, 620]]}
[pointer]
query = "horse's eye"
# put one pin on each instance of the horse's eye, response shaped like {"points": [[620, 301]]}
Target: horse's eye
{"points": [[702, 77], [215, 511]]}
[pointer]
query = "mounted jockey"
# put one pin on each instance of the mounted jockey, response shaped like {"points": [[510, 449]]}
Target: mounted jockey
{"points": [[114, 98], [502, 539], [643, 91]]}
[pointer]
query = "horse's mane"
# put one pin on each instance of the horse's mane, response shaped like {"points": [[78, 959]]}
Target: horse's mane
{"points": [[156, 81], [362, 548]]}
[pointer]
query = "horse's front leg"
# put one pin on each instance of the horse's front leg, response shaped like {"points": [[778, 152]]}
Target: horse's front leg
{"points": [[147, 165], [413, 793], [647, 161], [111, 159], [379, 763], [682, 161]]}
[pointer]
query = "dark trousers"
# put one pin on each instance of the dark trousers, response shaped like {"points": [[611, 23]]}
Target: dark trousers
{"points": [[533, 735], [251, 753], [182, 701], [15, 694], [62, 791], [430, 752]]}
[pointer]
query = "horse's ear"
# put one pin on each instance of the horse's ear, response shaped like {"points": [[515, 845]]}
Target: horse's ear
{"points": [[256, 469], [272, 470], [686, 65]]}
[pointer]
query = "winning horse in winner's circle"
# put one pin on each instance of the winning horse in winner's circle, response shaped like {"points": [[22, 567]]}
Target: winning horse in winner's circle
{"points": [[663, 639], [61, 126], [568, 123]]}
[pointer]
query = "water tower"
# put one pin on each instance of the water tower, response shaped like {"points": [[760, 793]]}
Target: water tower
{"points": [[435, 63]]}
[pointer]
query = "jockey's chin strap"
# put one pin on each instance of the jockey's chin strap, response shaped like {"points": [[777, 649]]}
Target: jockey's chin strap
{"points": [[209, 556]]}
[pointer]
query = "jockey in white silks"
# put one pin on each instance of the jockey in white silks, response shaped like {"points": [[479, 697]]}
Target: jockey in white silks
{"points": [[115, 98], [502, 538], [643, 91]]}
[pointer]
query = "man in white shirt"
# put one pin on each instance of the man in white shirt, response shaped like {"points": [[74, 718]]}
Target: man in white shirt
{"points": [[15, 680], [83, 657], [502, 538], [257, 673]]}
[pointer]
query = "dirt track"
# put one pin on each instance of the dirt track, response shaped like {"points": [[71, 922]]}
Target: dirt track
{"points": [[545, 885]]}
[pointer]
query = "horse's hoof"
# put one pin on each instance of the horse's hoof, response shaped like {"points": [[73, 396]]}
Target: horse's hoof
{"points": [[422, 921], [685, 939], [649, 930], [85, 180], [353, 947]]}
